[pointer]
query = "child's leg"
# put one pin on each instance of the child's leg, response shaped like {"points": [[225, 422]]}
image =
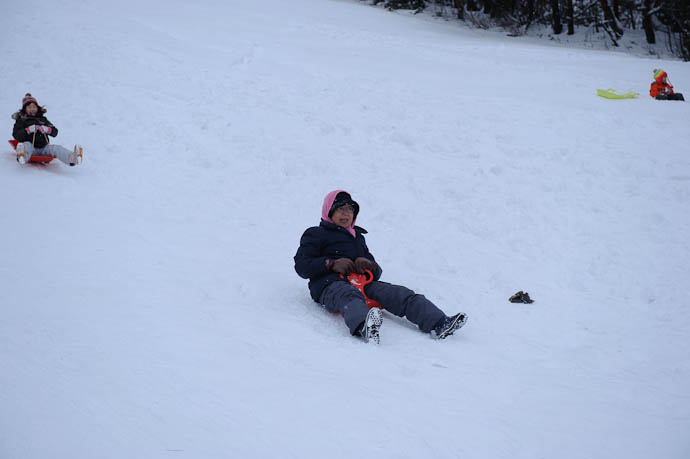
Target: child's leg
{"points": [[28, 150], [402, 301], [60, 152], [344, 298]]}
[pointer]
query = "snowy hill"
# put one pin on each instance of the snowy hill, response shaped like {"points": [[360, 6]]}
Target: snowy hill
{"points": [[149, 306]]}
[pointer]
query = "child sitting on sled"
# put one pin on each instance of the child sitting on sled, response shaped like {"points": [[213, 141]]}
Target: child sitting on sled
{"points": [[661, 89], [31, 130], [328, 253]]}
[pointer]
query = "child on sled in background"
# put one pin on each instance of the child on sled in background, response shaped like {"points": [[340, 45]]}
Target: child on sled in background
{"points": [[32, 128], [328, 253], [661, 89]]}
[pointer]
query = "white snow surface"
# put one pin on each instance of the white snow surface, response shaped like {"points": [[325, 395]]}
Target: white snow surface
{"points": [[148, 303]]}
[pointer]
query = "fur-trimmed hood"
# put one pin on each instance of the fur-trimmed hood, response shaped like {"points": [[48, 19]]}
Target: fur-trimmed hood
{"points": [[21, 114]]}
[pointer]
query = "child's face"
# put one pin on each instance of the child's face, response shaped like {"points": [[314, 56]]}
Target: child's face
{"points": [[664, 80], [31, 109], [343, 216]]}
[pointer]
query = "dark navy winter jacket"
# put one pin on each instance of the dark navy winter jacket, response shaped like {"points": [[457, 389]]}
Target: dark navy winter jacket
{"points": [[328, 241], [23, 121]]}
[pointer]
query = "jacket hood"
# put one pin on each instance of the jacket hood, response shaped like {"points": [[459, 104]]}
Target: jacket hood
{"points": [[23, 115], [326, 208]]}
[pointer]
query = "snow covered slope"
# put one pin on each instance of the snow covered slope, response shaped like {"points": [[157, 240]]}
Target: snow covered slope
{"points": [[148, 303]]}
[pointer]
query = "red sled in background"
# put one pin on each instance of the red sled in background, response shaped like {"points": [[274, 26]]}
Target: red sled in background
{"points": [[43, 159]]}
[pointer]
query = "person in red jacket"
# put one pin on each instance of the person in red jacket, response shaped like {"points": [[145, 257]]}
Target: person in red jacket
{"points": [[32, 130], [661, 89]]}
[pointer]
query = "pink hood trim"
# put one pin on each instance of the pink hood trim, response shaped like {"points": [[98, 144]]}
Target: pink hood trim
{"points": [[328, 203]]}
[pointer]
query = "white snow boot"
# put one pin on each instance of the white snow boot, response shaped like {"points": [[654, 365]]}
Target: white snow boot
{"points": [[372, 324], [21, 153], [77, 156]]}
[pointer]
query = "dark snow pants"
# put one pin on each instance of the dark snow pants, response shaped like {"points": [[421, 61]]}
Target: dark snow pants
{"points": [[675, 96], [344, 298]]}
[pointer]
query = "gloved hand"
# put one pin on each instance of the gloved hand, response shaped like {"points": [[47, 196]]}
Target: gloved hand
{"points": [[45, 129], [31, 129], [362, 264], [342, 266]]}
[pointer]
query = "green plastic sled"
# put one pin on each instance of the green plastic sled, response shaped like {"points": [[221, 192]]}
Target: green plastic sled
{"points": [[611, 94]]}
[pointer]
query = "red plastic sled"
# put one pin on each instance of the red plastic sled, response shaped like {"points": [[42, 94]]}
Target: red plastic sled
{"points": [[45, 159], [360, 281]]}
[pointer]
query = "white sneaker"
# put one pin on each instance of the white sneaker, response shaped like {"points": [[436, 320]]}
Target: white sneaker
{"points": [[21, 153], [372, 324], [77, 156]]}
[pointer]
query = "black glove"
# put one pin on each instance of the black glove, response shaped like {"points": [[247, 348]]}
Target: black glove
{"points": [[521, 297], [342, 266]]}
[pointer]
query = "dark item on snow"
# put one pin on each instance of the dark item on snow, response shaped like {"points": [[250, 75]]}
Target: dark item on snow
{"points": [[676, 96], [362, 280], [521, 297], [43, 159]]}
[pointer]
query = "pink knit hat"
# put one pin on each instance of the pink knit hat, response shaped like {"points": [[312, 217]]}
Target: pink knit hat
{"points": [[28, 98]]}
